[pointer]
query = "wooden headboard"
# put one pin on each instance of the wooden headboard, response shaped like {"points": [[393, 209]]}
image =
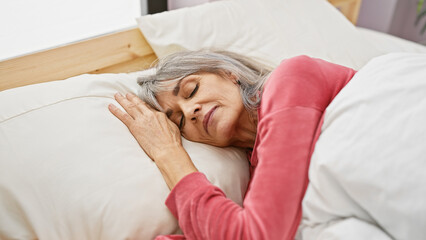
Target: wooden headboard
{"points": [[349, 8], [124, 51]]}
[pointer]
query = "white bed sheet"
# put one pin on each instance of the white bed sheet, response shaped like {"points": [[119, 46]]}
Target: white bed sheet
{"points": [[367, 171]]}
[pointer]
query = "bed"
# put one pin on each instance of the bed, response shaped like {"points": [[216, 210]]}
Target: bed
{"points": [[124, 51], [69, 170], [128, 51]]}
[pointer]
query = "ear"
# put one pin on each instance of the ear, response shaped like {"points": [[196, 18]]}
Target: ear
{"points": [[233, 78]]}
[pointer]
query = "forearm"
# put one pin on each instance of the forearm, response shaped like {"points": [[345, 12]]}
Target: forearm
{"points": [[272, 204], [175, 164]]}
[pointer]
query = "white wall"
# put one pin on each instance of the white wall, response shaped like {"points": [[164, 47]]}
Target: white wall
{"points": [[144, 7], [27, 26], [395, 17], [404, 19], [377, 14]]}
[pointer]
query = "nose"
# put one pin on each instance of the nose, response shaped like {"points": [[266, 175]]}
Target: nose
{"points": [[192, 111]]}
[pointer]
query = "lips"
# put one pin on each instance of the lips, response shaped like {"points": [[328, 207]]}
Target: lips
{"points": [[207, 118]]}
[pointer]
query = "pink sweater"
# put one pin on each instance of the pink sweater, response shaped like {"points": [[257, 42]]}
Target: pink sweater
{"points": [[289, 123]]}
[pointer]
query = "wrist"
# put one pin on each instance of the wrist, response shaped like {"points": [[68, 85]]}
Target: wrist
{"points": [[174, 165], [168, 153]]}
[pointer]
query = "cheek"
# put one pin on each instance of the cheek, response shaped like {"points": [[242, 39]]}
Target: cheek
{"points": [[192, 134], [225, 128]]}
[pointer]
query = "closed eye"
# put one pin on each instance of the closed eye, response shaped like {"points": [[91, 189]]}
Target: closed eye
{"points": [[181, 122], [194, 91]]}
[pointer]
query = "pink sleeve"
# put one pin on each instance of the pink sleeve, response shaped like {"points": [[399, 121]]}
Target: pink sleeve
{"points": [[286, 134], [171, 237]]}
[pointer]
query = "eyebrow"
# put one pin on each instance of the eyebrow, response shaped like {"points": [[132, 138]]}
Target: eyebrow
{"points": [[177, 87], [175, 92]]}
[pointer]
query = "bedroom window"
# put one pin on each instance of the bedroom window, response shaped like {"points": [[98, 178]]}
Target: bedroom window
{"points": [[31, 26]]}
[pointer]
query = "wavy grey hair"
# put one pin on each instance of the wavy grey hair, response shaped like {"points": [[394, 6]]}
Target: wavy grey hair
{"points": [[171, 69]]}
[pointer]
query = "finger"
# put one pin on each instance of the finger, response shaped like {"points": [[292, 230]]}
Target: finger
{"points": [[122, 116], [130, 107], [138, 102]]}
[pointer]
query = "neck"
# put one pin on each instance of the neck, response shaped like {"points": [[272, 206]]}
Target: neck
{"points": [[245, 134]]}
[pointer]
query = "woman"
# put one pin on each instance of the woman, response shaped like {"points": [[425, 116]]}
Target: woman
{"points": [[224, 99]]}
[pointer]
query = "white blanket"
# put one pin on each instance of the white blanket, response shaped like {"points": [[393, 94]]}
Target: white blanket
{"points": [[368, 170]]}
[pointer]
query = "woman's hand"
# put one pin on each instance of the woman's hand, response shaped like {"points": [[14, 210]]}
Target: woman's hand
{"points": [[157, 135]]}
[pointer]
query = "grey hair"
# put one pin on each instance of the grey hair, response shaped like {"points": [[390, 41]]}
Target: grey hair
{"points": [[251, 76]]}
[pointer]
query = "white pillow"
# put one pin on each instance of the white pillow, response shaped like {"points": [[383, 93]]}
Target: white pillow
{"points": [[266, 30], [70, 170], [369, 162]]}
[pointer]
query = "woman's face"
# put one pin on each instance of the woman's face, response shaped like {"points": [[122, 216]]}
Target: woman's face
{"points": [[206, 107]]}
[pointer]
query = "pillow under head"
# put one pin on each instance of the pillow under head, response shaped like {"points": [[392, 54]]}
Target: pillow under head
{"points": [[266, 30], [70, 170]]}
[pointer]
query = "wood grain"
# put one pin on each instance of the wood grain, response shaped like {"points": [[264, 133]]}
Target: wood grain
{"points": [[124, 51], [118, 52], [349, 8]]}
